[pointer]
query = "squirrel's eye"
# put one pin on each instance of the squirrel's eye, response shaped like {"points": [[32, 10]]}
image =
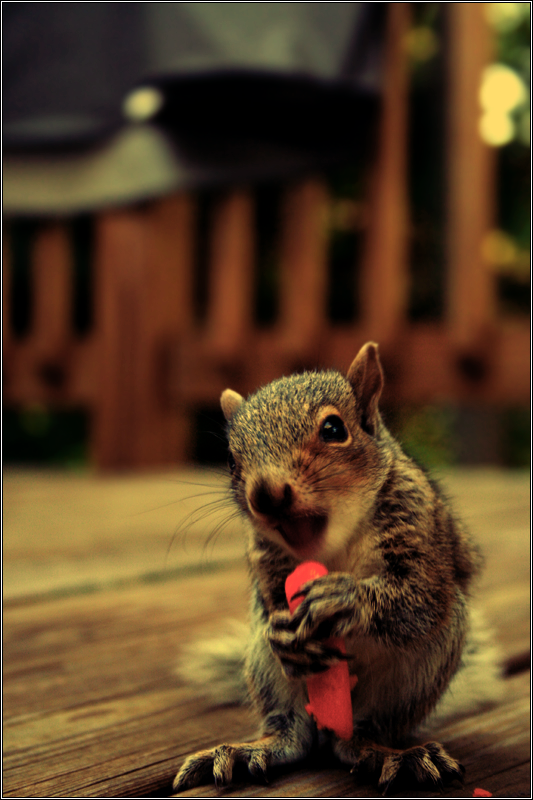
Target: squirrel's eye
{"points": [[232, 464], [333, 429]]}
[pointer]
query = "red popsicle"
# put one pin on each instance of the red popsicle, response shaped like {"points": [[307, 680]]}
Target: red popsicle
{"points": [[330, 701]]}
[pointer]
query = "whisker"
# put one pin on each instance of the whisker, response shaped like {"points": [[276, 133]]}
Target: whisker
{"points": [[220, 472], [218, 529], [211, 488], [197, 515]]}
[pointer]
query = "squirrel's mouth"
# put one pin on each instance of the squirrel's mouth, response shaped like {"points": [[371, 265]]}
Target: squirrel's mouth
{"points": [[302, 532]]}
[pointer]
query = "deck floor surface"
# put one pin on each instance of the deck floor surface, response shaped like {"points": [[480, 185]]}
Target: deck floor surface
{"points": [[106, 579]]}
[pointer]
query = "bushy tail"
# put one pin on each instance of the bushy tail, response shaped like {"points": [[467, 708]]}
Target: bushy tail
{"points": [[215, 666], [479, 681]]}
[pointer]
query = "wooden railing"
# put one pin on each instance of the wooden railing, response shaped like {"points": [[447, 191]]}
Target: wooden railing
{"points": [[148, 362]]}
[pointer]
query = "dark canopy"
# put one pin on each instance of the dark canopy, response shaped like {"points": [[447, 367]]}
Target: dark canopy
{"points": [[248, 89]]}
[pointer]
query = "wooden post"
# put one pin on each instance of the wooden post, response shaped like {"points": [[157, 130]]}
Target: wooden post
{"points": [[303, 264], [6, 291], [51, 327], [231, 276], [470, 289], [167, 316], [143, 303], [384, 279], [119, 256]]}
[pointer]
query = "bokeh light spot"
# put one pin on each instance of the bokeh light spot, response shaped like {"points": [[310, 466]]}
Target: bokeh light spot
{"points": [[501, 89], [142, 103], [496, 128], [422, 43]]}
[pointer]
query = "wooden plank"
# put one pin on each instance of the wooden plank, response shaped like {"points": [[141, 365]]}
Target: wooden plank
{"points": [[383, 283], [122, 527], [71, 533], [49, 365], [167, 309], [430, 368], [471, 189], [231, 276], [171, 251], [93, 707], [74, 378], [92, 704], [39, 366], [52, 271], [423, 368], [104, 698], [118, 264], [120, 283], [303, 267], [494, 746], [6, 291], [53, 344], [512, 370]]}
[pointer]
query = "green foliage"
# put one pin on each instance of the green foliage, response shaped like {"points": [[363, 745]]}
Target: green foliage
{"points": [[426, 434], [429, 434], [513, 49], [511, 22]]}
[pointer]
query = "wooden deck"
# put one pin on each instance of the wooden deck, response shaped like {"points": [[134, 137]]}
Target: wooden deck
{"points": [[106, 578]]}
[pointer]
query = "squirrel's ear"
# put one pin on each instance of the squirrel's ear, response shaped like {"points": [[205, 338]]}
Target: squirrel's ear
{"points": [[366, 376], [230, 402]]}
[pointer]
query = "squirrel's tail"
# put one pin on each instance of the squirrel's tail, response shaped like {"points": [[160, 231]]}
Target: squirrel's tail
{"points": [[215, 666], [479, 681]]}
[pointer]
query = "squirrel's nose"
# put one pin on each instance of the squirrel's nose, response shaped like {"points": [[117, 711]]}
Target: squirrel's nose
{"points": [[271, 500]]}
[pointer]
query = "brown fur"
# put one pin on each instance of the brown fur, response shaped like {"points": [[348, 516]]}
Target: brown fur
{"points": [[319, 476]]}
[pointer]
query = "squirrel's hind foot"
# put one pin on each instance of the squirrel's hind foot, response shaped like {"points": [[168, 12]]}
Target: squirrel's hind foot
{"points": [[219, 764], [227, 762], [428, 765]]}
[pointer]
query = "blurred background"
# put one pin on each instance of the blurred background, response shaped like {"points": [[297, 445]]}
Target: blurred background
{"points": [[202, 195]]}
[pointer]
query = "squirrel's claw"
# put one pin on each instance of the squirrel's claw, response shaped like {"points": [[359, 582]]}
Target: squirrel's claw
{"points": [[217, 765], [300, 658], [328, 608], [220, 764], [423, 766], [427, 765], [197, 770]]}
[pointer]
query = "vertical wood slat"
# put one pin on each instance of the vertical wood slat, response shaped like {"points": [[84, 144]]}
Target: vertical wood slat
{"points": [[144, 302], [303, 265], [231, 275], [52, 272], [384, 279], [470, 285], [170, 246], [6, 291], [119, 256], [167, 314]]}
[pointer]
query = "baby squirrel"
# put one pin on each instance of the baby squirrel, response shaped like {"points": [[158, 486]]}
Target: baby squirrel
{"points": [[320, 477]]}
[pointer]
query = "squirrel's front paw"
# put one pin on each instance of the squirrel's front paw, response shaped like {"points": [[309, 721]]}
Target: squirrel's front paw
{"points": [[299, 658], [328, 607]]}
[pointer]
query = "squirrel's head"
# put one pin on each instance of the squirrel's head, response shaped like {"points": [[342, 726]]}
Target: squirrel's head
{"points": [[306, 455]]}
